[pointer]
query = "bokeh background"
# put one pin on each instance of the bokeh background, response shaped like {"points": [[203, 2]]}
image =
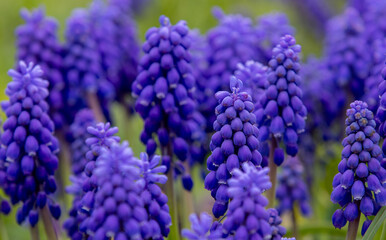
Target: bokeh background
{"points": [[198, 15]]}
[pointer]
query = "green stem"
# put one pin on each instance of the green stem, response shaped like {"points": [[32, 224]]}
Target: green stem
{"points": [[64, 168], [48, 224], [294, 225], [174, 228], [34, 233], [272, 173], [383, 234], [353, 229], [187, 203], [3, 230], [93, 102]]}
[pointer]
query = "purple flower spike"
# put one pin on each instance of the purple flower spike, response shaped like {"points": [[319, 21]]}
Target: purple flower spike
{"points": [[83, 66], [361, 192], [164, 89], [282, 113], [292, 189], [100, 138], [254, 77], [83, 119], [232, 42], [203, 228], [37, 42], [247, 217], [270, 29], [234, 142], [347, 51], [28, 158], [114, 32]]}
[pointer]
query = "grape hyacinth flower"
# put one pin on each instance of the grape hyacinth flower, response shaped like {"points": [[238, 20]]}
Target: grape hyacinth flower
{"points": [[270, 29], [29, 148], [86, 85], [347, 52], [125, 35], [234, 142], [37, 42], [254, 77], [247, 217], [359, 185], [164, 90], [381, 113], [156, 207], [126, 205], [78, 129], [291, 188], [282, 115], [233, 41], [100, 137], [322, 97], [203, 228]]}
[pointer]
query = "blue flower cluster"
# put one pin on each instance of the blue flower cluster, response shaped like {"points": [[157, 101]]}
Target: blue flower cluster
{"points": [[247, 217], [83, 67], [291, 189], [37, 42], [359, 185], [101, 136], [283, 114], [125, 33], [234, 142], [233, 41], [123, 207], [381, 112], [347, 51], [254, 77], [28, 147], [164, 89], [270, 29], [78, 129], [203, 228]]}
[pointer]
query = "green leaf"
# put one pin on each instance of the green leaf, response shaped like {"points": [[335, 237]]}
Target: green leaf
{"points": [[374, 226]]}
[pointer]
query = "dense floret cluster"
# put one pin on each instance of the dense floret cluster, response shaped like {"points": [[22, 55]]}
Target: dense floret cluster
{"points": [[282, 115], [359, 185], [234, 142], [28, 147], [37, 42], [164, 89], [291, 190]]}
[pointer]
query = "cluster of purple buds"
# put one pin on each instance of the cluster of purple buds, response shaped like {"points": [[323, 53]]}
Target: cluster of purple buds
{"points": [[254, 77], [247, 217], [234, 142], [164, 89], [359, 185], [232, 42], [101, 137], [37, 42], [114, 33], [291, 189], [270, 29], [28, 148], [154, 199], [347, 51], [83, 67], [78, 129], [283, 114], [126, 205], [203, 228], [322, 98], [381, 112]]}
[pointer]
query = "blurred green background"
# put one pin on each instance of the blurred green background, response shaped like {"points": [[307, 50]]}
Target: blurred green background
{"points": [[198, 15]]}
